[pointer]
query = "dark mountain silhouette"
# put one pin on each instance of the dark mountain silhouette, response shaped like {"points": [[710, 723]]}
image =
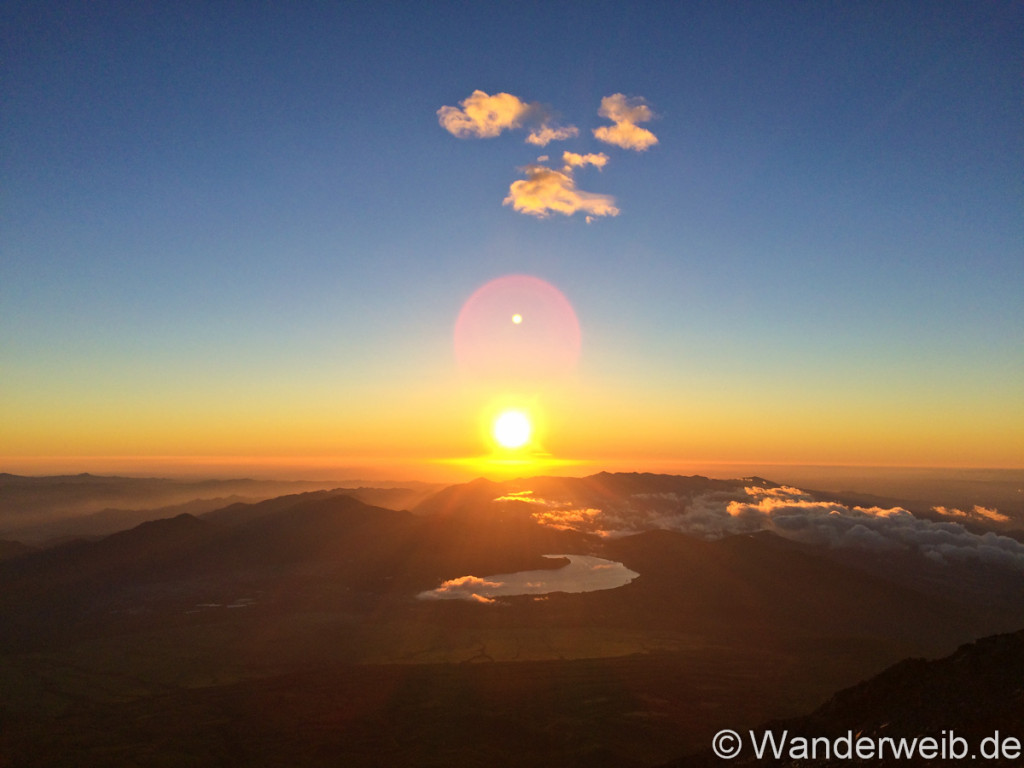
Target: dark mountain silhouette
{"points": [[605, 489], [108, 521], [764, 583], [244, 512], [974, 692], [32, 501], [12, 549], [45, 510]]}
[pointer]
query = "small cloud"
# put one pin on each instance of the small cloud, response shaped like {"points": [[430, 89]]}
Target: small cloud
{"points": [[573, 160], [991, 514], [469, 582], [568, 519], [545, 191], [462, 588], [625, 113], [545, 134], [977, 513], [482, 117], [524, 496]]}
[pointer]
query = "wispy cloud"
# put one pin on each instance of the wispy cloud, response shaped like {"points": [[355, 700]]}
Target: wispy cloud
{"points": [[482, 117], [625, 113], [977, 513], [545, 191], [545, 134], [572, 160], [526, 497], [568, 519]]}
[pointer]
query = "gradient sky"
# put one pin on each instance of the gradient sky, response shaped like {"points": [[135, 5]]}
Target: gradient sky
{"points": [[238, 229]]}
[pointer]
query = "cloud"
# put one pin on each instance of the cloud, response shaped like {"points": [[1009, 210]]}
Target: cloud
{"points": [[797, 515], [572, 160], [462, 588], [524, 496], [569, 519], [545, 134], [977, 513], [990, 514], [482, 117], [625, 113], [792, 514], [555, 514], [545, 191]]}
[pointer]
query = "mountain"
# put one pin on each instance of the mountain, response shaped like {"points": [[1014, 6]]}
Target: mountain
{"points": [[31, 501], [12, 549], [761, 583], [44, 510], [107, 521]]}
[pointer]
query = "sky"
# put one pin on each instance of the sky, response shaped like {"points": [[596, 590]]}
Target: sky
{"points": [[786, 232]]}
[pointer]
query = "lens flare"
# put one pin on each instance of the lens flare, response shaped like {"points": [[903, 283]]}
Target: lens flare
{"points": [[541, 343]]}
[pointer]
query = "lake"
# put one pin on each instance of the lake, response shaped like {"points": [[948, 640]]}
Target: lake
{"points": [[584, 573]]}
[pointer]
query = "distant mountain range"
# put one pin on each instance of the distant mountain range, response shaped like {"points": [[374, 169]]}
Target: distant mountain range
{"points": [[48, 509]]}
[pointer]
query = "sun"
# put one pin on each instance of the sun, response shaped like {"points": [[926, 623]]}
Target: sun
{"points": [[512, 429]]}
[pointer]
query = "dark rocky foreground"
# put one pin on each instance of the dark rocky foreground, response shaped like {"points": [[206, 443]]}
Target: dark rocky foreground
{"points": [[971, 703]]}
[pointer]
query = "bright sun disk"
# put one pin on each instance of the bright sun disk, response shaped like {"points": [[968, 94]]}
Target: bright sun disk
{"points": [[512, 429]]}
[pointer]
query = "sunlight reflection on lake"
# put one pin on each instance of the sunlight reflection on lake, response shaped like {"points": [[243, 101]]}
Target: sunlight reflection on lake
{"points": [[584, 573]]}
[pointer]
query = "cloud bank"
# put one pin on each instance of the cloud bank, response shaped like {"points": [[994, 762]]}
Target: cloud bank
{"points": [[792, 514], [625, 113]]}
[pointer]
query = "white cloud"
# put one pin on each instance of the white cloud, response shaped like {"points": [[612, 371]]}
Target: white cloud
{"points": [[625, 113], [545, 191], [548, 190], [573, 160], [483, 116], [545, 134], [794, 514], [462, 588]]}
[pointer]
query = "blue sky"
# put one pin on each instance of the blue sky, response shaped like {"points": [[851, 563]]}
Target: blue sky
{"points": [[245, 213]]}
